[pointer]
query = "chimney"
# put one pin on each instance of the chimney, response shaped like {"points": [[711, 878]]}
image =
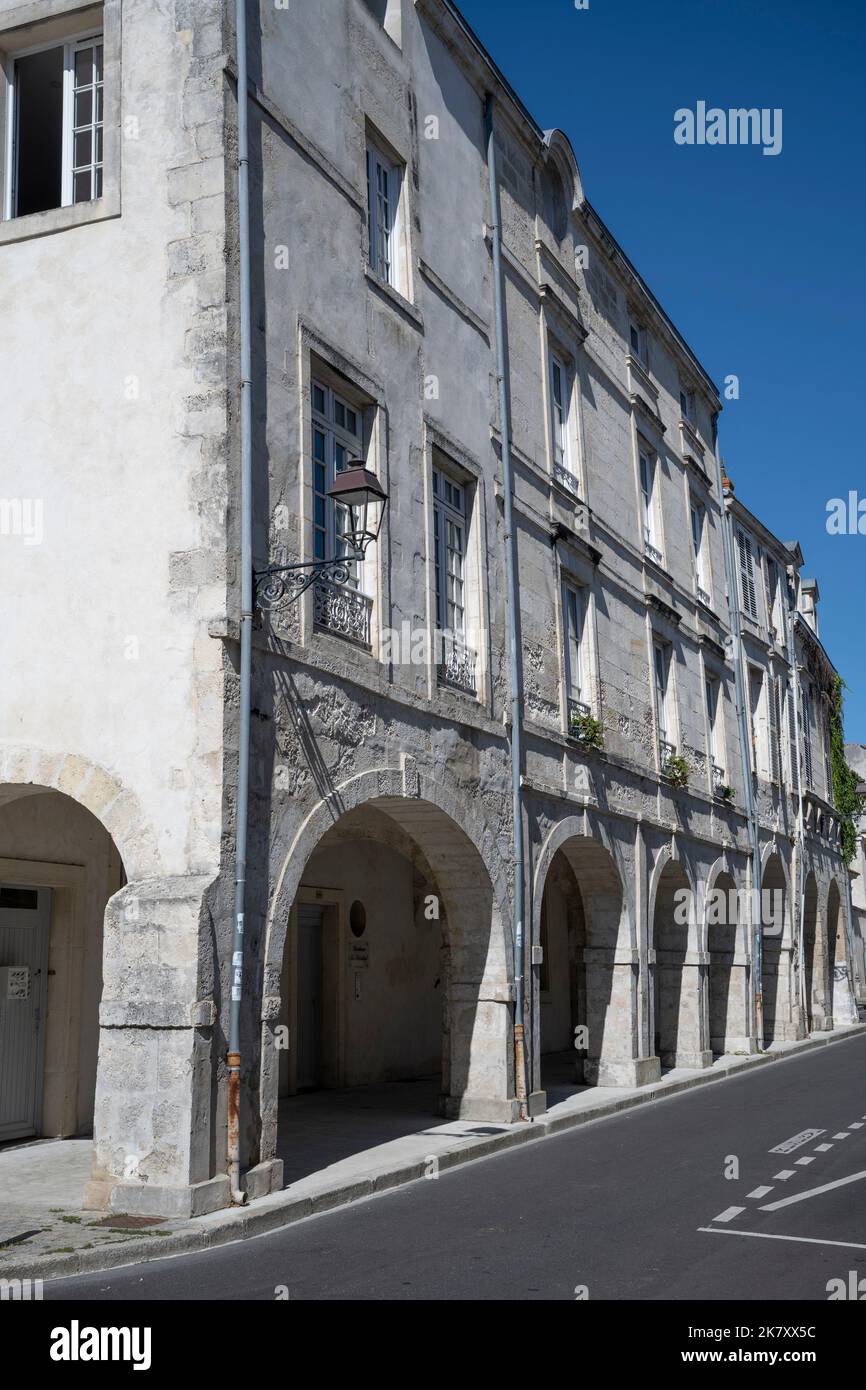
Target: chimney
{"points": [[809, 597]]}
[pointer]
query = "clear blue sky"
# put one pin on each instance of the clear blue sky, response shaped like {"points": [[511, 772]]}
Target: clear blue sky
{"points": [[759, 260]]}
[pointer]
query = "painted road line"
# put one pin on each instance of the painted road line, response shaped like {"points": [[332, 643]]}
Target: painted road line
{"points": [[765, 1235], [855, 1125], [759, 1192], [813, 1192], [843, 1135], [797, 1141], [823, 1148], [804, 1161], [729, 1214], [785, 1174]]}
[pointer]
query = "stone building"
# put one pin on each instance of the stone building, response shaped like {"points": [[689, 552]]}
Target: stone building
{"points": [[855, 754], [379, 914]]}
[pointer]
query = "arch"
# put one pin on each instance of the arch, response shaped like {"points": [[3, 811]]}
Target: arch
{"points": [[678, 968], [588, 975], [449, 843], [26, 770], [728, 1001], [561, 150], [814, 958], [778, 981], [839, 966], [60, 869]]}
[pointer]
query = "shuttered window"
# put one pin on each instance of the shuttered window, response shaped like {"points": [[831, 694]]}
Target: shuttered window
{"points": [[748, 591]]}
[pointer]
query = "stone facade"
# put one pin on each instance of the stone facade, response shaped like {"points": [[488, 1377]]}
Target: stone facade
{"points": [[381, 836]]}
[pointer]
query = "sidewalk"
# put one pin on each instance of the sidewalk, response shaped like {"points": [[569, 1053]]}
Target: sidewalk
{"points": [[45, 1234]]}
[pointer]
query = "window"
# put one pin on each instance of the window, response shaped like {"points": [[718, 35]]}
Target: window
{"points": [[662, 662], [449, 546], [451, 509], [687, 405], [711, 690], [756, 698], [384, 180], [776, 702], [637, 341], [748, 591], [808, 770], [773, 595], [648, 506], [559, 401], [575, 613], [337, 438], [57, 106], [699, 524]]}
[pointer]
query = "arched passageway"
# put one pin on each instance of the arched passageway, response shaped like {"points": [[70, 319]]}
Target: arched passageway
{"points": [[59, 867], [814, 960], [394, 982], [838, 968], [778, 992], [728, 978], [678, 980]]}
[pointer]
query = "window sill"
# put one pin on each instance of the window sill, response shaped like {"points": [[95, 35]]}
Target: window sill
{"points": [[399, 301], [39, 224]]}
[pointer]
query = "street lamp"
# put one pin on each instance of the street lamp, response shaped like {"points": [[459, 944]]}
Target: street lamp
{"points": [[360, 502]]}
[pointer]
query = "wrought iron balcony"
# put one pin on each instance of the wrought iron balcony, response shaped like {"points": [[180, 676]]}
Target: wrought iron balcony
{"points": [[704, 597], [718, 778], [342, 610], [566, 478], [457, 667], [667, 751], [651, 551]]}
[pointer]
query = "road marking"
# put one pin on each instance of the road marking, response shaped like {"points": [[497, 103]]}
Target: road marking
{"points": [[813, 1192], [797, 1141], [844, 1135], [785, 1174], [764, 1235], [804, 1160], [855, 1125], [759, 1192], [729, 1214], [823, 1148]]}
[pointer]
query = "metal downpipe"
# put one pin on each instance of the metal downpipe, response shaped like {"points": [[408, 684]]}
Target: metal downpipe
{"points": [[512, 600], [246, 617]]}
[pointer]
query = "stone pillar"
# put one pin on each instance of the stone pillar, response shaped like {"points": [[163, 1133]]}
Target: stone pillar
{"points": [[612, 980], [154, 1114]]}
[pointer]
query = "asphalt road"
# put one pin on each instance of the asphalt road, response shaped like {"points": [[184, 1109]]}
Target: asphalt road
{"points": [[633, 1207]]}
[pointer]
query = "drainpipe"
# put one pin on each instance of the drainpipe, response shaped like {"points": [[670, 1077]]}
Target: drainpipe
{"points": [[233, 1059], [801, 838], [740, 684], [511, 606]]}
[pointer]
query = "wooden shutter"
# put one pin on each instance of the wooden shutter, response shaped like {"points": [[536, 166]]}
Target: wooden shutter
{"points": [[747, 574]]}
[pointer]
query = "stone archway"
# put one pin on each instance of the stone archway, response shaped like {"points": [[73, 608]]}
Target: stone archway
{"points": [[588, 975], [839, 977], [679, 970], [778, 976], [814, 960], [60, 867], [428, 845], [729, 1003]]}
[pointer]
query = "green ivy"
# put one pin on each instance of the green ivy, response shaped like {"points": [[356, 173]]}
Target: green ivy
{"points": [[587, 730], [677, 770], [845, 781]]}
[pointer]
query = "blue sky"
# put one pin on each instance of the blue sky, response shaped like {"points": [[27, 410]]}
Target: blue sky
{"points": [[757, 259]]}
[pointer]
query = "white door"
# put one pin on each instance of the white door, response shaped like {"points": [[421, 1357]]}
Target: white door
{"points": [[25, 914], [309, 1065]]}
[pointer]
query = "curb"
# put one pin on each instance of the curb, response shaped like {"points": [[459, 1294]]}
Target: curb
{"points": [[279, 1210]]}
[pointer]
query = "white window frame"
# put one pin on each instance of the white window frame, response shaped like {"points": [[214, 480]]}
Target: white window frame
{"points": [[69, 46], [806, 716], [639, 351], [560, 412], [698, 522], [662, 653], [712, 698], [758, 720], [340, 444], [647, 466], [687, 405], [451, 515], [574, 609], [385, 230]]}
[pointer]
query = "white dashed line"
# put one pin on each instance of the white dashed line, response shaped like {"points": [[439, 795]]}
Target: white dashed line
{"points": [[729, 1214], [855, 1125], [823, 1148], [785, 1174], [844, 1135], [759, 1192], [804, 1160], [813, 1192]]}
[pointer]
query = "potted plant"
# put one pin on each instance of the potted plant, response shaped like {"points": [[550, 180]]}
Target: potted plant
{"points": [[676, 770], [586, 729]]}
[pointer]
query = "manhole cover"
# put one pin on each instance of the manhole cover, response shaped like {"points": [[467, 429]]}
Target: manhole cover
{"points": [[129, 1223]]}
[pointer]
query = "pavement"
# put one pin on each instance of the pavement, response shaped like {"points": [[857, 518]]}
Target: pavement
{"points": [[340, 1148], [752, 1190]]}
